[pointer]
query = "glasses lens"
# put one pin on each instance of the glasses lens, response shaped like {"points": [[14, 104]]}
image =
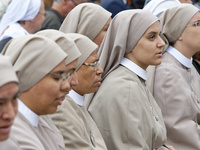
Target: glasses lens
{"points": [[96, 65], [65, 76]]}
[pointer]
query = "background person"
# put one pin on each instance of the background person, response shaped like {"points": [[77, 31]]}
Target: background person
{"points": [[58, 11], [21, 18]]}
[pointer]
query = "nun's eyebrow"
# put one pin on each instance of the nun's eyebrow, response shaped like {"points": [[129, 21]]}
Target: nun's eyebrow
{"points": [[152, 33], [62, 71], [14, 97]]}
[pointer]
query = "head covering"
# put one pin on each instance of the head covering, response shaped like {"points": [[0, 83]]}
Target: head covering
{"points": [[33, 57], [7, 71], [87, 19], [172, 26], [65, 43], [172, 22], [20, 10], [157, 7], [125, 30], [3, 6], [85, 45]]}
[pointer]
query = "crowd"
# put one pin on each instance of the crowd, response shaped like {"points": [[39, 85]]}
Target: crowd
{"points": [[99, 75]]}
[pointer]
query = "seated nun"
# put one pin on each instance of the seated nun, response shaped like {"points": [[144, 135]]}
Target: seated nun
{"points": [[8, 103], [88, 19], [123, 108], [45, 77], [72, 119], [176, 83]]}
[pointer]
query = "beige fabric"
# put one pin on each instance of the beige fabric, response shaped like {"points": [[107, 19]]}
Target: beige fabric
{"points": [[7, 71], [85, 45], [65, 43], [78, 129], [87, 19], [32, 138], [126, 113], [177, 94], [9, 144], [172, 26], [125, 30], [172, 22], [33, 56], [57, 132]]}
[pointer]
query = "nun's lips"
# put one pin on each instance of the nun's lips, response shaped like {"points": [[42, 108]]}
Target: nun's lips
{"points": [[5, 128], [98, 82], [159, 53], [60, 99]]}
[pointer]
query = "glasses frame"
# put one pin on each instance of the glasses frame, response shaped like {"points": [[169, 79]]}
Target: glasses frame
{"points": [[95, 64], [64, 76], [196, 24]]}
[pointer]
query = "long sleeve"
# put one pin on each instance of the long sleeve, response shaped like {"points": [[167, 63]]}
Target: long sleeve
{"points": [[174, 91], [123, 112]]}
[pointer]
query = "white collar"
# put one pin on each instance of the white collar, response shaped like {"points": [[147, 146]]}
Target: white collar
{"points": [[134, 68], [180, 57], [76, 97], [32, 117], [14, 30]]}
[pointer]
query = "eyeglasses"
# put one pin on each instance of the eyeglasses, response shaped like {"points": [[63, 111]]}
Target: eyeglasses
{"points": [[95, 64], [64, 76], [196, 24]]}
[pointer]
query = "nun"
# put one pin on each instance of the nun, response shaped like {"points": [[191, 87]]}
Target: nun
{"points": [[8, 103], [123, 108], [176, 81], [21, 18], [88, 19], [72, 119], [45, 77]]}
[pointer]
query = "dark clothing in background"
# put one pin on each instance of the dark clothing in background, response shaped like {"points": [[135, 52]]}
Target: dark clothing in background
{"points": [[53, 20], [4, 42]]}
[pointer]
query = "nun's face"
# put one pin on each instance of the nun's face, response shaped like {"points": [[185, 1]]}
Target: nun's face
{"points": [[89, 79], [148, 50], [44, 97], [190, 37], [8, 108], [98, 40]]}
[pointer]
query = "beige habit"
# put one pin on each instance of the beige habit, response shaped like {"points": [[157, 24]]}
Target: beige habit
{"points": [[87, 19], [70, 48], [177, 85], [33, 57], [74, 122], [7, 75], [123, 108]]}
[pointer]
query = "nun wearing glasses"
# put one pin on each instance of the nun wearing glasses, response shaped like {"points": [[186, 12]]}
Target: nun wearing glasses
{"points": [[45, 77], [72, 118], [176, 81]]}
